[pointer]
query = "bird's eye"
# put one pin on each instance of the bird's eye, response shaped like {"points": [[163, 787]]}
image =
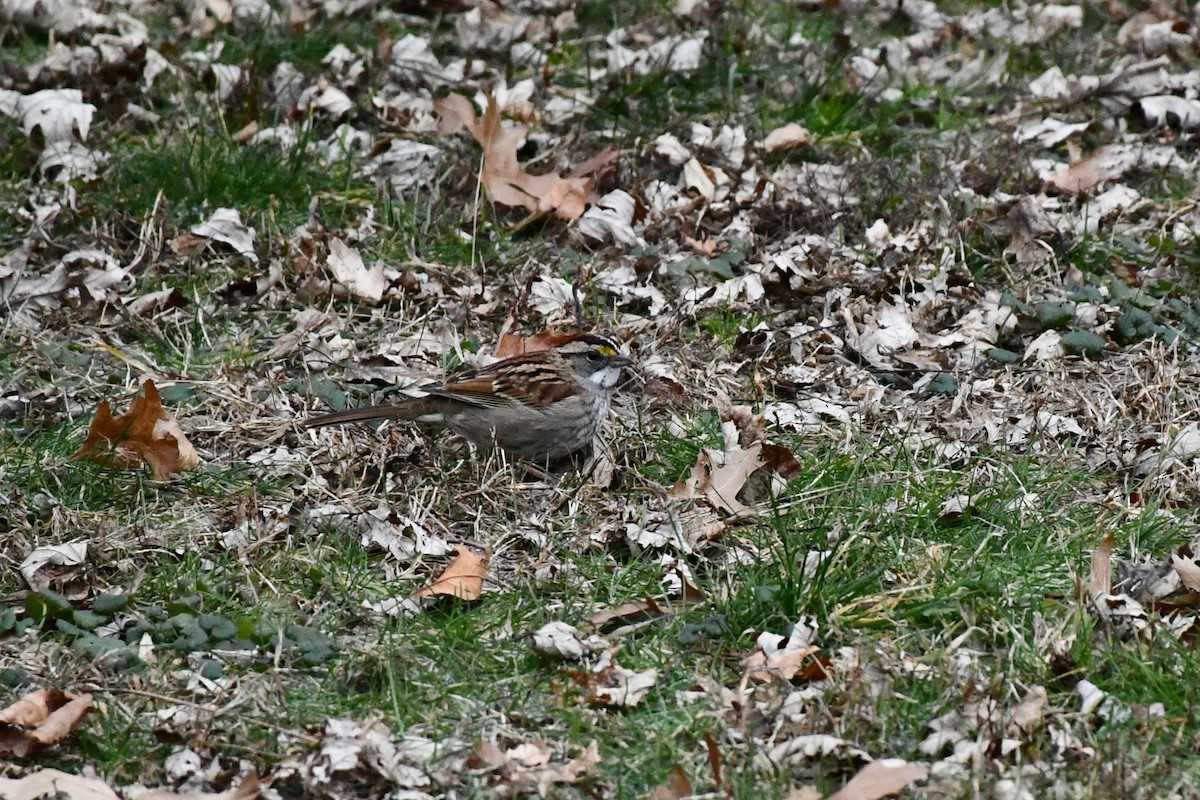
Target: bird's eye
{"points": [[595, 356]]}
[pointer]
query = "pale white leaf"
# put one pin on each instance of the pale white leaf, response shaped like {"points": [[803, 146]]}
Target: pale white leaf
{"points": [[618, 686], [328, 100], [59, 113], [1167, 109], [350, 272], [1045, 347], [551, 295], [611, 219], [669, 146], [802, 748], [560, 640], [226, 226], [791, 135], [1090, 696], [1050, 131], [71, 554], [1188, 570]]}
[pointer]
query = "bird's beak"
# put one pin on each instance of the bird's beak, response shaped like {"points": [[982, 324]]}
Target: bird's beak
{"points": [[620, 361]]}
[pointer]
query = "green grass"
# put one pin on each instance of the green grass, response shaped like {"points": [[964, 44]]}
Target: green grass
{"points": [[262, 49], [22, 45], [449, 671], [201, 168], [723, 326]]}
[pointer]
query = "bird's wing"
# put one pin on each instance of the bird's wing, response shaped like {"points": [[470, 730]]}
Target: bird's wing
{"points": [[529, 379]]}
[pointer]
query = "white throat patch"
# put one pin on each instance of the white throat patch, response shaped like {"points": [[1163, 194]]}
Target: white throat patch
{"points": [[605, 378]]}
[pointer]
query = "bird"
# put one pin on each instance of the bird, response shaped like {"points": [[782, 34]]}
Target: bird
{"points": [[537, 406]]}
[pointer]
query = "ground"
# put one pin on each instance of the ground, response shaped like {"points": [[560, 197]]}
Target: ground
{"points": [[905, 469]]}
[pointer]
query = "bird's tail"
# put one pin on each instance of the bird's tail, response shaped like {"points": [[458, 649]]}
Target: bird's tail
{"points": [[418, 408]]}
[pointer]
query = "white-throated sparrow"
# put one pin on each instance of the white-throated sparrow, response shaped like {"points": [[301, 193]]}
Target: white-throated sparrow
{"points": [[540, 405]]}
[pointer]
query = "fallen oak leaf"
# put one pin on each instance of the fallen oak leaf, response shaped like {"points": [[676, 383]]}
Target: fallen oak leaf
{"points": [[486, 755], [714, 758], [780, 657], [1100, 582], [40, 719], [880, 778], [750, 427], [781, 460], [455, 112], [596, 163], [55, 783], [610, 684], [1027, 716], [29, 711], [689, 593], [503, 177], [351, 274], [808, 747], [726, 481], [1125, 613], [820, 668], [707, 247], [719, 484], [529, 765], [676, 787], [784, 665], [61, 721], [1188, 571], [559, 640], [535, 753], [61, 557], [144, 434], [1109, 162], [804, 793], [512, 344], [625, 614], [719, 476], [248, 788], [226, 226], [462, 578], [571, 772], [791, 135]]}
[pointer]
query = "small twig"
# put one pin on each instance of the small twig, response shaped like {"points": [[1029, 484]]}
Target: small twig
{"points": [[156, 696], [205, 708]]}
